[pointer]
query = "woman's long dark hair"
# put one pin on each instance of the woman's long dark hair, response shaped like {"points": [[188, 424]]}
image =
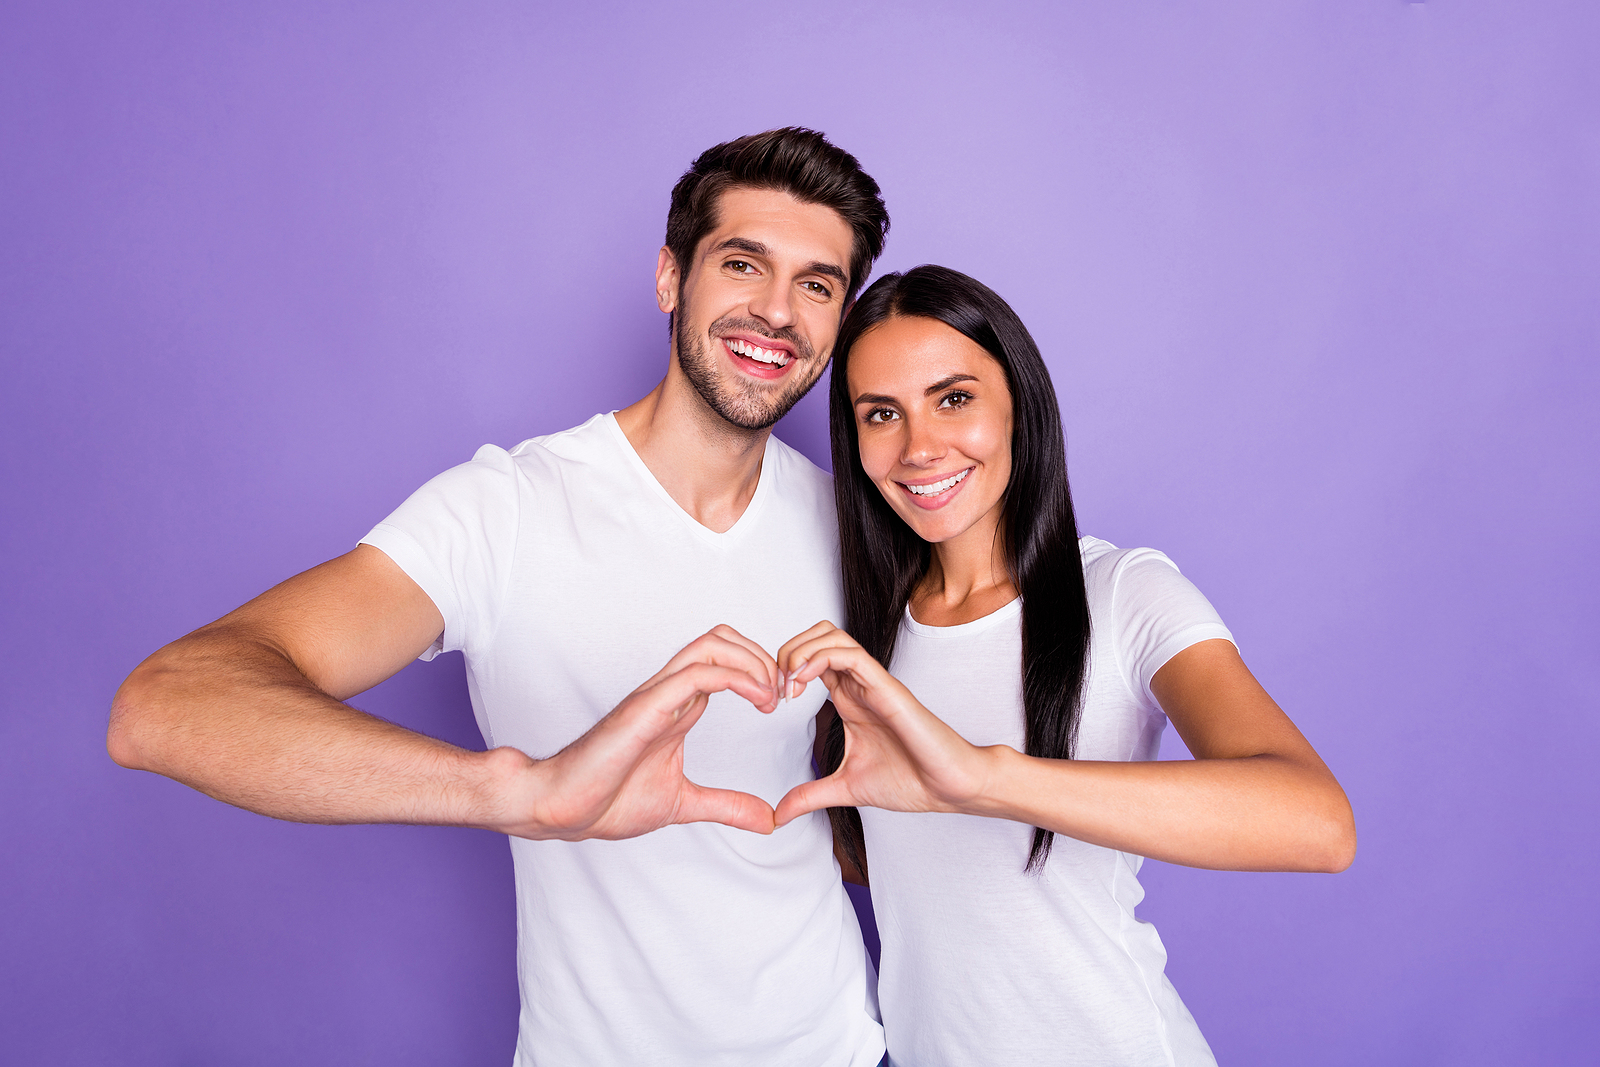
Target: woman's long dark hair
{"points": [[883, 559]]}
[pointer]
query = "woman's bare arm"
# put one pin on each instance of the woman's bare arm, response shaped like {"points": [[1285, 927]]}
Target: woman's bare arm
{"points": [[1256, 796]]}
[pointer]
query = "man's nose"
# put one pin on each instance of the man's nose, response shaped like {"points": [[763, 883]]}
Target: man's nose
{"points": [[774, 304]]}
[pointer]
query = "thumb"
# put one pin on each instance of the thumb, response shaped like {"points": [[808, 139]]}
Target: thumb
{"points": [[829, 792], [730, 807]]}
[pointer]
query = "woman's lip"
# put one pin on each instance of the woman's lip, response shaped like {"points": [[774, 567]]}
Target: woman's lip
{"points": [[938, 500]]}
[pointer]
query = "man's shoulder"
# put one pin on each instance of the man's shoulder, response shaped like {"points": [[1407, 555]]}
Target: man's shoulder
{"points": [[502, 474], [552, 461], [579, 442]]}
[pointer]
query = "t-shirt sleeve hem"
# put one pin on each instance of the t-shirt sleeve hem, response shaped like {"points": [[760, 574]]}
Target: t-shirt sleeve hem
{"points": [[1179, 641], [409, 556]]}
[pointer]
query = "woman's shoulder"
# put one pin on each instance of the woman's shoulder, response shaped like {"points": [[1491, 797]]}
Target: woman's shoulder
{"points": [[1105, 557], [1108, 570]]}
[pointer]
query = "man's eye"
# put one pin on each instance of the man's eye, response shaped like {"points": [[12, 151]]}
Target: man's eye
{"points": [[819, 288], [740, 266]]}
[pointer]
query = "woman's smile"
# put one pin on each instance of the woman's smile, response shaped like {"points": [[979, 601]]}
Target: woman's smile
{"points": [[938, 492]]}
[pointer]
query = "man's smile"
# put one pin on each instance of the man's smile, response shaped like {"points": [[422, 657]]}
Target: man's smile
{"points": [[760, 357]]}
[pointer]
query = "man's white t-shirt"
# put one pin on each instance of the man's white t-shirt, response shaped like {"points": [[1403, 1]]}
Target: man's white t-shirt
{"points": [[981, 962], [568, 576]]}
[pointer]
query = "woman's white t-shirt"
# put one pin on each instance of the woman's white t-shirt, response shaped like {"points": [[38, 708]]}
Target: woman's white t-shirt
{"points": [[983, 963]]}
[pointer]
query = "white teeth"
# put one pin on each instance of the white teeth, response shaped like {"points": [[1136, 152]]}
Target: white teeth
{"points": [[938, 487], [763, 355]]}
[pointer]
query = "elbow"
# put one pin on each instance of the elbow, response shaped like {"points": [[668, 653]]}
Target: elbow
{"points": [[129, 739], [1336, 840], [1344, 851]]}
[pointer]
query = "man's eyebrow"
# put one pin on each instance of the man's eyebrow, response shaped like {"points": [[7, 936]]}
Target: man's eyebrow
{"points": [[756, 248], [743, 244], [828, 270]]}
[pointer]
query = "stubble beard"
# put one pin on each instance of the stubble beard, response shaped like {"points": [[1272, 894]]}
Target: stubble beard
{"points": [[743, 404]]}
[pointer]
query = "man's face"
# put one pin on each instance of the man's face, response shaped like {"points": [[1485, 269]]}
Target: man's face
{"points": [[759, 308]]}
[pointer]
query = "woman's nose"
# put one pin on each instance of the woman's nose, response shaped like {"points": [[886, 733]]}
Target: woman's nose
{"points": [[922, 445]]}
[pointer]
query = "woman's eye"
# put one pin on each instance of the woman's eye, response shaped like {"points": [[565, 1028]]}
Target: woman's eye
{"points": [[955, 400], [880, 415]]}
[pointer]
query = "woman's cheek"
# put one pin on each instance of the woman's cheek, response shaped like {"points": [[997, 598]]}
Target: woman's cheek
{"points": [[876, 462]]}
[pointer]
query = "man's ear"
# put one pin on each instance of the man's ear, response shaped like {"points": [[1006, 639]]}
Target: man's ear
{"points": [[667, 281]]}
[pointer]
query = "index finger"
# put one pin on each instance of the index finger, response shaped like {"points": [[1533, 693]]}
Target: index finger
{"points": [[664, 698], [738, 652], [728, 633], [787, 651]]}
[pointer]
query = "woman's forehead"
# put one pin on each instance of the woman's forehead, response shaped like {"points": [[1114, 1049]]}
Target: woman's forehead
{"points": [[906, 353]]}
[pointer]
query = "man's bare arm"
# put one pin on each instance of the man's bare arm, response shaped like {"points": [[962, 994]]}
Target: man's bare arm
{"points": [[248, 710]]}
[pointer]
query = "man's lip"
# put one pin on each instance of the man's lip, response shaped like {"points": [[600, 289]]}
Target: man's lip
{"points": [[755, 368], [769, 343]]}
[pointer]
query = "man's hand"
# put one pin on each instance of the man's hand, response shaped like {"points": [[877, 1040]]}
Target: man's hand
{"points": [[898, 755], [625, 776]]}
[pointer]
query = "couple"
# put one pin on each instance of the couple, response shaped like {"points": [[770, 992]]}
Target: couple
{"points": [[985, 721]]}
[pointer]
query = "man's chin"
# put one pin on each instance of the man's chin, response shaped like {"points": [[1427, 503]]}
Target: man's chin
{"points": [[750, 417]]}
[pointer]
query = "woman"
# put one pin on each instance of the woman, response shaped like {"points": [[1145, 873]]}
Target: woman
{"points": [[1000, 696]]}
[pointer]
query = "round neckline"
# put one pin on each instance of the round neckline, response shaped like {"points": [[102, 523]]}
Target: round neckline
{"points": [[1009, 609]]}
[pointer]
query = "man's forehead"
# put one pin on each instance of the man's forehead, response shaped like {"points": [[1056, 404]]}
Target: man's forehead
{"points": [[776, 224]]}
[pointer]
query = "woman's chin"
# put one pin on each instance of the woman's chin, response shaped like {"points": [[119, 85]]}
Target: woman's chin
{"points": [[936, 527]]}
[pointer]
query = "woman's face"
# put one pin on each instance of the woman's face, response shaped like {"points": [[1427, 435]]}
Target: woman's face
{"points": [[933, 416]]}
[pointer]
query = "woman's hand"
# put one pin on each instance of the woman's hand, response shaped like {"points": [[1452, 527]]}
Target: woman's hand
{"points": [[898, 755]]}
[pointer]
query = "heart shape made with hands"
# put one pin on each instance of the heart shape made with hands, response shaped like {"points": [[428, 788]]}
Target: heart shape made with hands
{"points": [[624, 777]]}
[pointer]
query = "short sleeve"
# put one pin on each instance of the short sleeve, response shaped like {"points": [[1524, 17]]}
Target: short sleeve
{"points": [[1156, 613], [456, 538]]}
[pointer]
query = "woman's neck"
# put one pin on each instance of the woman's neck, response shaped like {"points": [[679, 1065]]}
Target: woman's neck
{"points": [[968, 577]]}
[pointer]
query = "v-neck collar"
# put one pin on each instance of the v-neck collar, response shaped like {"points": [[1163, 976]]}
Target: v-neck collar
{"points": [[727, 537]]}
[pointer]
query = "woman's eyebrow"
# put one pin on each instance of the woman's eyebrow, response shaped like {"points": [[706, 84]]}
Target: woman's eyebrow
{"points": [[945, 383], [874, 398]]}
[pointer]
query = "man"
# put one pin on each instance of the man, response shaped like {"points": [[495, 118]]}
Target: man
{"points": [[661, 919]]}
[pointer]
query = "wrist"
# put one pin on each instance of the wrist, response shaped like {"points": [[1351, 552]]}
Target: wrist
{"points": [[996, 765], [505, 793]]}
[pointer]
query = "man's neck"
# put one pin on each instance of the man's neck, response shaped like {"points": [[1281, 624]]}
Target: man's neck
{"points": [[705, 463]]}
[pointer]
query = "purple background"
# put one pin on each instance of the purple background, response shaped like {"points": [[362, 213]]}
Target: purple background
{"points": [[1316, 282]]}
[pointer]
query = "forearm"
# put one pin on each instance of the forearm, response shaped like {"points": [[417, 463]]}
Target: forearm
{"points": [[234, 718], [1255, 813]]}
